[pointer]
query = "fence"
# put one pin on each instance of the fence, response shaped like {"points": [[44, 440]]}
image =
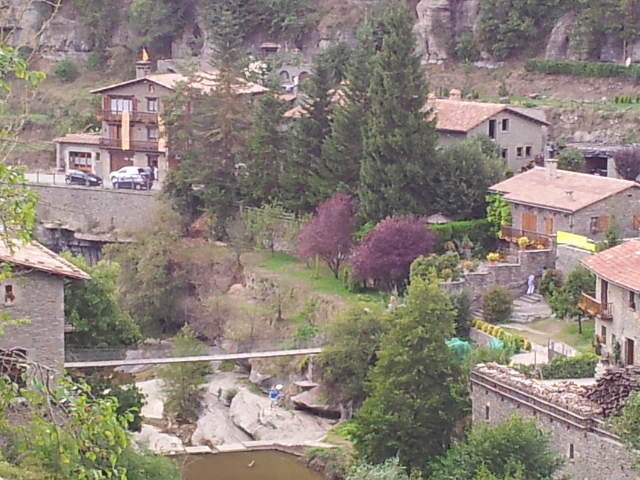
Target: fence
{"points": [[58, 178]]}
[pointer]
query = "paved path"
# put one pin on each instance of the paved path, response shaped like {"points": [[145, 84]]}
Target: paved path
{"points": [[202, 358]]}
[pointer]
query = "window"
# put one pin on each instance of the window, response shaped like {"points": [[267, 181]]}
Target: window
{"points": [[603, 335], [487, 412], [120, 104], [97, 157], [527, 151], [9, 295], [80, 160], [598, 224], [632, 301], [505, 153], [505, 124], [571, 451], [492, 129], [519, 151], [152, 104], [152, 88], [152, 133]]}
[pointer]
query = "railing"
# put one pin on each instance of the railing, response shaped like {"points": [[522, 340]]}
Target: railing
{"points": [[594, 307], [136, 116], [135, 145], [511, 234]]}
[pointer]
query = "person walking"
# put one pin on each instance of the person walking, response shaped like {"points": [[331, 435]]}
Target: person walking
{"points": [[531, 286], [155, 172], [273, 396]]}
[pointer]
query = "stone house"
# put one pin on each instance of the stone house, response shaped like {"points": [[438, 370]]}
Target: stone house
{"points": [[520, 132], [616, 301], [35, 293], [132, 128], [545, 200]]}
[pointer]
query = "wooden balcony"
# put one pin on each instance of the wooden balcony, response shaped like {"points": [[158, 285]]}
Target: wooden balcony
{"points": [[134, 145], [136, 116], [595, 308], [512, 235]]}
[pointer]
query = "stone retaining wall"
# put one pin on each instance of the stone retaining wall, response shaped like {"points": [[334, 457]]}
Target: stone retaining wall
{"points": [[568, 258]]}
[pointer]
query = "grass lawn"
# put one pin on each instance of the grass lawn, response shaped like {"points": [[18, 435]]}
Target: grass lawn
{"points": [[323, 281], [581, 342], [559, 331]]}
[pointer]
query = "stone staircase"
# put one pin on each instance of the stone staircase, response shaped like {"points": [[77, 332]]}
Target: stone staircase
{"points": [[526, 309]]}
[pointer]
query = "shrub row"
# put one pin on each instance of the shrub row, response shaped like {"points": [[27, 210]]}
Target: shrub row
{"points": [[584, 69], [478, 231], [501, 334], [581, 365]]}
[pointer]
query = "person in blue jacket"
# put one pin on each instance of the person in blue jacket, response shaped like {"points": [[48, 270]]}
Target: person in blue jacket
{"points": [[273, 396]]}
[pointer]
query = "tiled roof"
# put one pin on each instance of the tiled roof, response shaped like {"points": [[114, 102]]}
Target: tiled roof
{"points": [[568, 192], [79, 138], [36, 256], [462, 116], [619, 265], [205, 81], [296, 112]]}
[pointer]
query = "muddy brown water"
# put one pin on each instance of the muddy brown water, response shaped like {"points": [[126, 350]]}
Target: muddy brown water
{"points": [[268, 465]]}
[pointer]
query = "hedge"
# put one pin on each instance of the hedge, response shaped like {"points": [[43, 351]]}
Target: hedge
{"points": [[515, 339], [581, 365], [478, 231], [584, 69]]}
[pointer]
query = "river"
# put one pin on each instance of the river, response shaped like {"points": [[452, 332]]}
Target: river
{"points": [[236, 466]]}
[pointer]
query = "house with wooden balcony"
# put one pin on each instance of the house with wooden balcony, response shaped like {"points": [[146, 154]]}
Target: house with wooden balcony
{"points": [[615, 304], [546, 200], [132, 131]]}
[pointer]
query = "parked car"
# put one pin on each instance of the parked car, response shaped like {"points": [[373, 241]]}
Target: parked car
{"points": [[78, 177], [125, 172], [134, 182]]}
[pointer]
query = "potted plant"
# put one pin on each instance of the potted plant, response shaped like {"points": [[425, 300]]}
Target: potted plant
{"points": [[523, 242], [468, 266], [450, 246], [493, 257]]}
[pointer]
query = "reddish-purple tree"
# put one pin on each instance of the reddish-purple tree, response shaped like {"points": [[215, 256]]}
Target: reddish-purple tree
{"points": [[387, 251], [329, 236]]}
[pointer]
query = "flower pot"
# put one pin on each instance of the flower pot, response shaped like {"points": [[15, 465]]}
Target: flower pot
{"points": [[492, 262]]}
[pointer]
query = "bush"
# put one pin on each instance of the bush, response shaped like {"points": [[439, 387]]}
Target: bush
{"points": [[550, 282], [496, 304], [466, 50], [227, 366], [571, 159], [95, 61], [462, 304], [584, 69], [230, 394], [477, 231], [582, 365], [66, 71]]}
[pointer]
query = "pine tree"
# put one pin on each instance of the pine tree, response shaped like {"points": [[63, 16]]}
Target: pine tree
{"points": [[416, 386], [267, 153], [399, 141]]}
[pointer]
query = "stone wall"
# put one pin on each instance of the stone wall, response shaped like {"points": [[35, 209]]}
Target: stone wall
{"points": [[96, 210], [590, 452], [39, 298], [479, 337], [568, 258]]}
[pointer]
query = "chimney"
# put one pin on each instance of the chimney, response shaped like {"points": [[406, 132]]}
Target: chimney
{"points": [[143, 66], [551, 168], [455, 94]]}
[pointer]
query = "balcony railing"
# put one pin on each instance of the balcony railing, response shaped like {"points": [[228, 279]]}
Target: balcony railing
{"points": [[595, 308], [511, 234], [134, 145], [136, 116]]}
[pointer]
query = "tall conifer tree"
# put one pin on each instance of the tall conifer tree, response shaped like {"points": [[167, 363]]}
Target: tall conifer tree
{"points": [[399, 141]]}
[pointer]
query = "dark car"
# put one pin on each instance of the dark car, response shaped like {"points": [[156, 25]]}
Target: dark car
{"points": [[134, 182], [78, 177]]}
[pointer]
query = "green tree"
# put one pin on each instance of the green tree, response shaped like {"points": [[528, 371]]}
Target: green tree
{"points": [[150, 282], [267, 152], [513, 449], [267, 225], [417, 387], [564, 301], [571, 159], [183, 383], [498, 212], [627, 425], [351, 352], [152, 21], [100, 20], [464, 174], [496, 304], [389, 470], [92, 308], [612, 236], [399, 140]]}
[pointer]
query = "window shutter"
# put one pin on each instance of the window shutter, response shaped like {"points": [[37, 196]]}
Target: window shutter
{"points": [[636, 222], [604, 223]]}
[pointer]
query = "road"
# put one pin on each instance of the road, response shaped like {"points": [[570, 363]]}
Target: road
{"points": [[58, 179]]}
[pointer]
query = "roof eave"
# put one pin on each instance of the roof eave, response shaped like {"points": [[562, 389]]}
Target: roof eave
{"points": [[608, 278]]}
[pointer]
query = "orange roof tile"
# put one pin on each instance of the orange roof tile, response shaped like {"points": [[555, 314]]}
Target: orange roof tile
{"points": [[462, 116], [38, 257], [296, 112], [568, 192], [619, 265], [79, 138]]}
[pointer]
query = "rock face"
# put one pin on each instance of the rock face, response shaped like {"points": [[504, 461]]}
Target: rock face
{"points": [[254, 415], [309, 401], [558, 45]]}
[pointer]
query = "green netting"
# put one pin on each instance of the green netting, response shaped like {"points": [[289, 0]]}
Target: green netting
{"points": [[460, 348]]}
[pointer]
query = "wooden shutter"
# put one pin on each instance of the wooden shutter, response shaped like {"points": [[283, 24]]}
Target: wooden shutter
{"points": [[603, 223], [106, 103], [548, 226], [636, 222], [529, 222]]}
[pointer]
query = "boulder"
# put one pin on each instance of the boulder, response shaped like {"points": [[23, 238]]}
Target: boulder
{"points": [[433, 29], [310, 401], [558, 44], [611, 51], [253, 414], [153, 439]]}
